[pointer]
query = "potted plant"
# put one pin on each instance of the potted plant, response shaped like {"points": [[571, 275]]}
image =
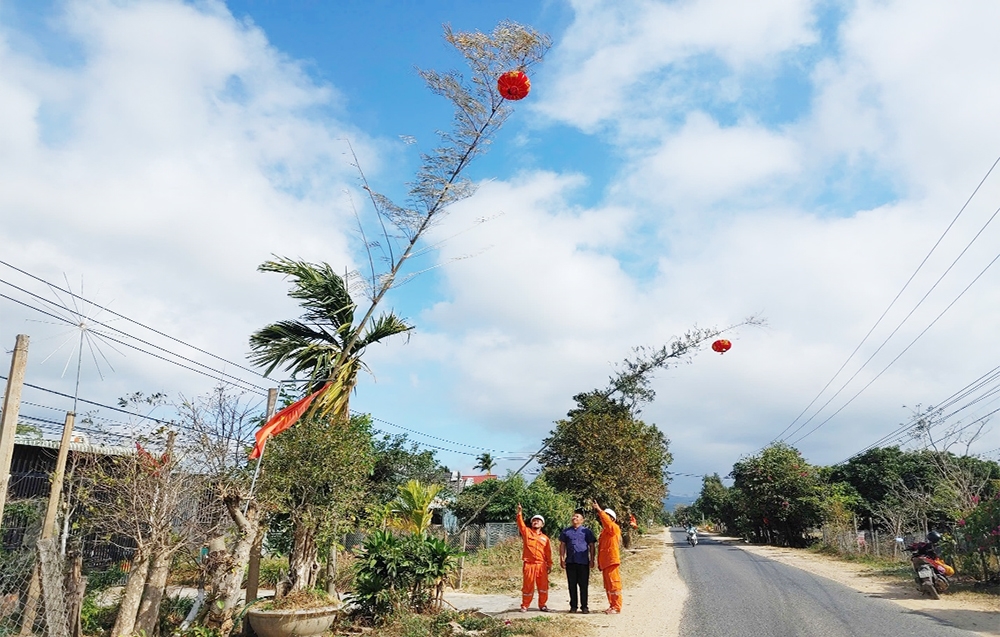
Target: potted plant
{"points": [[298, 614]]}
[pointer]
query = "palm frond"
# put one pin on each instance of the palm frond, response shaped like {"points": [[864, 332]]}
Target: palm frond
{"points": [[322, 292], [386, 325], [295, 346]]}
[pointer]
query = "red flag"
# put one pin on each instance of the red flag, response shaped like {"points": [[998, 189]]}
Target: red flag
{"points": [[282, 420]]}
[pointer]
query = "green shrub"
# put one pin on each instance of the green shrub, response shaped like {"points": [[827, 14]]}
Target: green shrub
{"points": [[272, 571], [95, 619], [399, 573]]}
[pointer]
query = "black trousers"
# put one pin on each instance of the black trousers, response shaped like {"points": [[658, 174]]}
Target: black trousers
{"points": [[578, 575]]}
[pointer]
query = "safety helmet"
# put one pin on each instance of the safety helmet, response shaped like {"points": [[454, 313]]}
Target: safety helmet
{"points": [[611, 512], [933, 537], [537, 517]]}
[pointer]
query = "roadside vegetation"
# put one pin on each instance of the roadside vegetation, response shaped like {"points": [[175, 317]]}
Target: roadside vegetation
{"points": [[857, 509]]}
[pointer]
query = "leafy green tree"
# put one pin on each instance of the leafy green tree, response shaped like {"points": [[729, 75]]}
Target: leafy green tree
{"points": [[501, 498], [713, 502], [397, 461], [879, 473], [602, 452], [777, 493], [317, 472]]}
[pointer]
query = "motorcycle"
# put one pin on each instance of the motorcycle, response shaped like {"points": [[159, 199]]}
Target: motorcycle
{"points": [[692, 537], [931, 572]]}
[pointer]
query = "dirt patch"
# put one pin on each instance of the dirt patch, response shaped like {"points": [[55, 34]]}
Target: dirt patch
{"points": [[654, 595], [976, 613]]}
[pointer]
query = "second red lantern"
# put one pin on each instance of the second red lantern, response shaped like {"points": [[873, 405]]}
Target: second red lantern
{"points": [[721, 346], [514, 85]]}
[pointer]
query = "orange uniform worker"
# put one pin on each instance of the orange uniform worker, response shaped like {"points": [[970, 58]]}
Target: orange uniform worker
{"points": [[609, 557], [537, 558]]}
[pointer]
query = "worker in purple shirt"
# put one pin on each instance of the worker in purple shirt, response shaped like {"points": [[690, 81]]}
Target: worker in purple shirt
{"points": [[576, 555]]}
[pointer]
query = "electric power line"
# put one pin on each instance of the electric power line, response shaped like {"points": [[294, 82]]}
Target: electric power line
{"points": [[886, 311], [898, 356]]}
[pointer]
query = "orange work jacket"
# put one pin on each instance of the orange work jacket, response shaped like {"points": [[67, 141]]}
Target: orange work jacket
{"points": [[608, 545], [536, 545]]}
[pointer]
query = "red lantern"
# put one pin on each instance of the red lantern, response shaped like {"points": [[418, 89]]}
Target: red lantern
{"points": [[721, 346], [513, 85]]}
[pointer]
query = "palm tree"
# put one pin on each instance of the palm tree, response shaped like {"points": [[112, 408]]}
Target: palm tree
{"points": [[485, 462], [412, 508], [324, 344]]}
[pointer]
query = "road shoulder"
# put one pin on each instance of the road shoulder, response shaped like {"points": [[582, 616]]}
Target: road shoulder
{"points": [[965, 611]]}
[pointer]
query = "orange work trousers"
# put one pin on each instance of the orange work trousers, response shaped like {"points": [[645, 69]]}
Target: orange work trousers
{"points": [[613, 586], [535, 575]]}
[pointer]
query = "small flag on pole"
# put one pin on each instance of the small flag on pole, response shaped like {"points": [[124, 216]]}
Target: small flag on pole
{"points": [[282, 420]]}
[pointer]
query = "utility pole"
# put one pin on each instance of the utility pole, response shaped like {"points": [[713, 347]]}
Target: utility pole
{"points": [[55, 491], [11, 408], [253, 567], [35, 588]]}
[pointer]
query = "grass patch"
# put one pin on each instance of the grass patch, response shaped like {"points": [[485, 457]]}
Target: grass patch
{"points": [[444, 623], [496, 570]]}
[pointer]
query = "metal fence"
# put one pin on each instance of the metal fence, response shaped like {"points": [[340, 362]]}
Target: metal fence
{"points": [[20, 599], [875, 543], [477, 537]]}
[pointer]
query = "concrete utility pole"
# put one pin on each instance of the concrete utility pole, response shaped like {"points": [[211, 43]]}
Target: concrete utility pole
{"points": [[11, 408], [253, 568]]}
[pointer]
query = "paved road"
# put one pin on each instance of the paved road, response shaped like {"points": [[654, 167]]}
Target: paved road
{"points": [[734, 593]]}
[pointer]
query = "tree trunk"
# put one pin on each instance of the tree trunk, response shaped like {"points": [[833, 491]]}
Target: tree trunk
{"points": [[149, 608], [331, 569], [131, 596], [225, 570], [303, 562]]}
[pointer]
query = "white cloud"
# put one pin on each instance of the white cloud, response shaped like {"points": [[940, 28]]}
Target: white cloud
{"points": [[178, 152], [705, 163], [182, 150], [611, 48]]}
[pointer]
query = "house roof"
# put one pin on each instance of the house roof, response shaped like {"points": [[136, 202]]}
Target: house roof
{"points": [[79, 447], [471, 480]]}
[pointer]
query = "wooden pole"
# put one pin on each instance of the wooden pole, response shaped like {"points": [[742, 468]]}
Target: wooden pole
{"points": [[55, 490], [48, 526], [461, 560], [11, 407]]}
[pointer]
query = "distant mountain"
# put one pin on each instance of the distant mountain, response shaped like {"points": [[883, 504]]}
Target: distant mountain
{"points": [[671, 501]]}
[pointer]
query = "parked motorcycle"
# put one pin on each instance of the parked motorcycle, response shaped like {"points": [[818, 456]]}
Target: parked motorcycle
{"points": [[931, 572]]}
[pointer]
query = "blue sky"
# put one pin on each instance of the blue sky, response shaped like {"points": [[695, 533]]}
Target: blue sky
{"points": [[676, 164]]}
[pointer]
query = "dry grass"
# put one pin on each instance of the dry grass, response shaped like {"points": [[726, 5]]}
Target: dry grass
{"points": [[640, 560], [442, 625], [551, 626], [497, 570]]}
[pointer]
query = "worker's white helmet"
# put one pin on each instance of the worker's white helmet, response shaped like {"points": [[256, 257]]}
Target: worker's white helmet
{"points": [[611, 512], [538, 517]]}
